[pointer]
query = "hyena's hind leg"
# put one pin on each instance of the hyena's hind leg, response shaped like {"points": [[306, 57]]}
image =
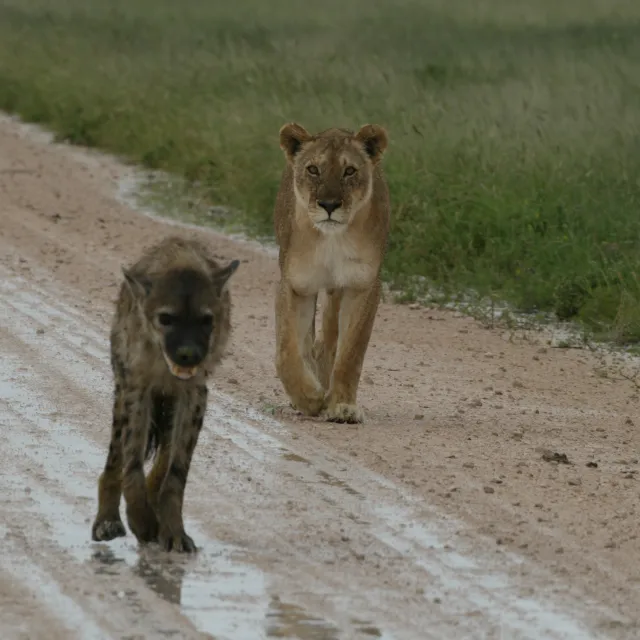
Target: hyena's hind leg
{"points": [[108, 524], [140, 515], [161, 434], [189, 416]]}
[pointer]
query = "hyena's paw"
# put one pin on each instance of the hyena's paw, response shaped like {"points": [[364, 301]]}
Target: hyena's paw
{"points": [[143, 522], [344, 413], [180, 543], [104, 530]]}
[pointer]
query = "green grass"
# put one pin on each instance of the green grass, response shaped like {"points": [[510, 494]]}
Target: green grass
{"points": [[514, 162]]}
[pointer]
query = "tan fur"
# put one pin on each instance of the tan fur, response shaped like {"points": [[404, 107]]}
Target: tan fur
{"points": [[331, 222], [153, 409]]}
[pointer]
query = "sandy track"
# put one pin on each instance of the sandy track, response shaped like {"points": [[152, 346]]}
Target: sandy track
{"points": [[436, 519]]}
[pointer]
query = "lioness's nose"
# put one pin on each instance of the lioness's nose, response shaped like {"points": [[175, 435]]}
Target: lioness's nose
{"points": [[330, 205]]}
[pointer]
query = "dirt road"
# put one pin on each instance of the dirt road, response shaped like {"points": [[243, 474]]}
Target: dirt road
{"points": [[438, 518]]}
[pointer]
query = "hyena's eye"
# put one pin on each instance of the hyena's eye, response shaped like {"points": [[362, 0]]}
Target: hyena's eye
{"points": [[207, 320], [313, 170], [166, 319]]}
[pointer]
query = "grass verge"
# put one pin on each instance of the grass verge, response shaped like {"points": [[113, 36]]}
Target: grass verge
{"points": [[515, 158]]}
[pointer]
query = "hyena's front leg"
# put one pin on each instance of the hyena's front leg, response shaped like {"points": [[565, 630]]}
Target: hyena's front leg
{"points": [[108, 524], [189, 416], [162, 423], [140, 515]]}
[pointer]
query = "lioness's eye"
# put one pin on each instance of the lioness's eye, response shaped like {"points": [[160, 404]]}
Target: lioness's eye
{"points": [[349, 171], [313, 170], [166, 319], [206, 320]]}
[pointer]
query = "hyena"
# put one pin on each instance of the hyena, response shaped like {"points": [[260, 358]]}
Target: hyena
{"points": [[170, 328]]}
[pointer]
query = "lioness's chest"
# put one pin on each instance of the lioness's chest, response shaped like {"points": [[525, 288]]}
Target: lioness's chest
{"points": [[332, 262]]}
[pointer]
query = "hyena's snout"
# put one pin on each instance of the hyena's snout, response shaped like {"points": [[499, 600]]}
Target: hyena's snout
{"points": [[185, 359], [189, 355]]}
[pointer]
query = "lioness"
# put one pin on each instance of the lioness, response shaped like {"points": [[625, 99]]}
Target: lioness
{"points": [[331, 223]]}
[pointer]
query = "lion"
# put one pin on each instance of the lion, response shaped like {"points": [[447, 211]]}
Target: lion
{"points": [[331, 218]]}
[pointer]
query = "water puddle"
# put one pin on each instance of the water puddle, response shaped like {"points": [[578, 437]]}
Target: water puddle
{"points": [[166, 579], [286, 620], [217, 590]]}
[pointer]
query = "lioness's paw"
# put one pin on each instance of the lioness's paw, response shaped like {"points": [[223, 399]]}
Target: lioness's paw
{"points": [[344, 413], [309, 397], [311, 406]]}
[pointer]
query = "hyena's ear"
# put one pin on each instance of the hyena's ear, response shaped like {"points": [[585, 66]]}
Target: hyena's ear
{"points": [[138, 285], [221, 276], [375, 140], [292, 137]]}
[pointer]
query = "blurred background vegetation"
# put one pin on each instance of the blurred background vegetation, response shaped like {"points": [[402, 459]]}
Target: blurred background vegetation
{"points": [[514, 163]]}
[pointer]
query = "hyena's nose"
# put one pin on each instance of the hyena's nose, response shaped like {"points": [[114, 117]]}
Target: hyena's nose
{"points": [[330, 205], [187, 356]]}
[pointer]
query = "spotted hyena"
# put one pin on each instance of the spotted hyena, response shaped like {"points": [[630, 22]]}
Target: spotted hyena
{"points": [[171, 325]]}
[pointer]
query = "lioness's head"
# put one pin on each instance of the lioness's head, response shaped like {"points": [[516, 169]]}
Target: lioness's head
{"points": [[181, 308], [333, 170]]}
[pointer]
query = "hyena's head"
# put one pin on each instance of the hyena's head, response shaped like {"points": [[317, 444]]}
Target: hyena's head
{"points": [[182, 308]]}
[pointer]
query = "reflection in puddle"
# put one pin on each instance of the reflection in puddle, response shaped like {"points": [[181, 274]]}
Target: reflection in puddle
{"points": [[220, 594], [335, 482], [109, 563], [217, 592], [176, 583], [286, 620], [165, 580]]}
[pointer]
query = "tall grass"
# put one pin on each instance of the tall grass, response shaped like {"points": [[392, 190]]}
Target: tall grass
{"points": [[514, 164]]}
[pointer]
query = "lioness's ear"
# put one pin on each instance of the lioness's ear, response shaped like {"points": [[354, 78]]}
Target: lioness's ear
{"points": [[138, 285], [221, 276], [375, 140], [292, 136]]}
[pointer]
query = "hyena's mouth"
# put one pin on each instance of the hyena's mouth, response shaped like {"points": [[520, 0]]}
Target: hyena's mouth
{"points": [[182, 373]]}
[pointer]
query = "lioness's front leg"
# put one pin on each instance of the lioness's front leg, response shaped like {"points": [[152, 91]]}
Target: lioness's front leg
{"points": [[357, 314], [325, 347], [295, 316]]}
